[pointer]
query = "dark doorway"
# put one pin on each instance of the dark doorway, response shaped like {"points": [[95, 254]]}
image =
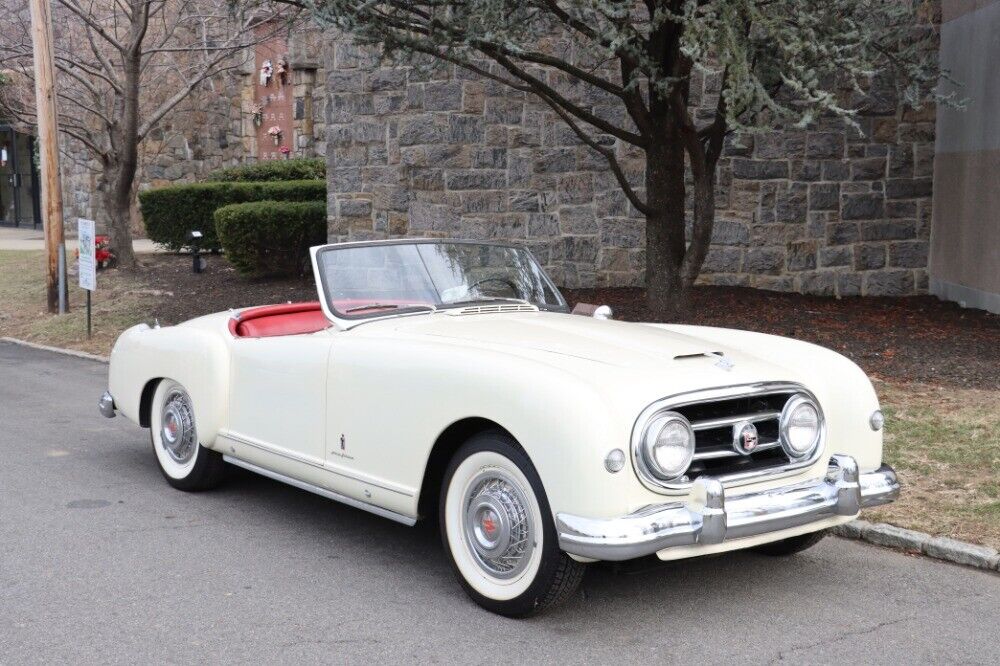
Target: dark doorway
{"points": [[20, 205]]}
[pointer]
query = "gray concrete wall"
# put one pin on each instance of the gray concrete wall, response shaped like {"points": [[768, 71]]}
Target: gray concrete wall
{"points": [[965, 235]]}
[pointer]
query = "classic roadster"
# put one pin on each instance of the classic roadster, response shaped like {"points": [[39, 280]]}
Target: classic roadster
{"points": [[449, 378]]}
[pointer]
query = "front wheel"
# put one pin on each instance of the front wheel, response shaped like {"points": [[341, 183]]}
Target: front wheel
{"points": [[184, 462], [498, 530]]}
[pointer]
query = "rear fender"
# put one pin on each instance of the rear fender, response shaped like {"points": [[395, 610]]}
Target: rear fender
{"points": [[197, 359]]}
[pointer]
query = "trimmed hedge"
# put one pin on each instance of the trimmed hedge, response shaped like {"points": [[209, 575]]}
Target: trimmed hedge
{"points": [[300, 169], [169, 213], [271, 237]]}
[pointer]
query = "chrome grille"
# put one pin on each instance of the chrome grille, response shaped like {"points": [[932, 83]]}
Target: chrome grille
{"points": [[713, 423], [712, 414]]}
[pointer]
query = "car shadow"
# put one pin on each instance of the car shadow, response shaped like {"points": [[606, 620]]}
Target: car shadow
{"points": [[608, 589]]}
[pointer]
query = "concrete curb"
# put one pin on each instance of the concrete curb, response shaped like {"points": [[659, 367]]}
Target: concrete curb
{"points": [[57, 350], [941, 548]]}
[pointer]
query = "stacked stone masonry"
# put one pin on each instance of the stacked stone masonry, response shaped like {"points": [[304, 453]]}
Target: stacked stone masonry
{"points": [[442, 153]]}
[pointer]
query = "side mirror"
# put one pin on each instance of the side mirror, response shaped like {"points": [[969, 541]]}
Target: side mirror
{"points": [[603, 312], [595, 311]]}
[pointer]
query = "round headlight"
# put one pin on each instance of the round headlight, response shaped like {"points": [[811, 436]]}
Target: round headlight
{"points": [[877, 420], [667, 445], [800, 426]]}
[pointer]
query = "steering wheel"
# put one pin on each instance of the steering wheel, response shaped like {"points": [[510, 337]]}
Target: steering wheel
{"points": [[504, 281]]}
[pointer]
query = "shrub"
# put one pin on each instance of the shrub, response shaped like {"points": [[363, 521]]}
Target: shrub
{"points": [[301, 169], [169, 213], [271, 237]]}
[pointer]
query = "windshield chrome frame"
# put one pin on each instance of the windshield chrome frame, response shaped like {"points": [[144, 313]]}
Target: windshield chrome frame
{"points": [[344, 322]]}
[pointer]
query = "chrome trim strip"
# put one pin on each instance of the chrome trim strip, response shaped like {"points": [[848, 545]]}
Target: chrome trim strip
{"points": [[323, 492], [729, 453], [708, 517], [712, 395], [733, 420], [307, 460], [107, 405]]}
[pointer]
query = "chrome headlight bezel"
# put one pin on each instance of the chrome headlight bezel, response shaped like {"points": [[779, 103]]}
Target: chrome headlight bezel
{"points": [[797, 401], [643, 447]]}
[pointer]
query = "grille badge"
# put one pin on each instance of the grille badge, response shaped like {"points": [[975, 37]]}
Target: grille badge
{"points": [[745, 437]]}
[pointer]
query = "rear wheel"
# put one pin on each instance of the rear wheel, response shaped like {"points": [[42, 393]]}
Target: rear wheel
{"points": [[498, 530], [184, 462], [792, 545]]}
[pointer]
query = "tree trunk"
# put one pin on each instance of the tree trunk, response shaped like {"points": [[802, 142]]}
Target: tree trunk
{"points": [[666, 290], [118, 207]]}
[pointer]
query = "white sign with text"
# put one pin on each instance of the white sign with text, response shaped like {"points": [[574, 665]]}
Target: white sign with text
{"points": [[88, 254]]}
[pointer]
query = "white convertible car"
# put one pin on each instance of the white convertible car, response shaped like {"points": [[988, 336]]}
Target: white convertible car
{"points": [[449, 377]]}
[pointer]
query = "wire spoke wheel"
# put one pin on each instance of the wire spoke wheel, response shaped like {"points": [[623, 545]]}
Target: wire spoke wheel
{"points": [[184, 462], [177, 432], [498, 525], [498, 530]]}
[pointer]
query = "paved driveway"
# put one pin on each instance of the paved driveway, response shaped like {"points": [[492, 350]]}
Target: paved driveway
{"points": [[101, 561], [27, 238]]}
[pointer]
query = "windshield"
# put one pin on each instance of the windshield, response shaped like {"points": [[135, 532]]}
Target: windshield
{"points": [[379, 278]]}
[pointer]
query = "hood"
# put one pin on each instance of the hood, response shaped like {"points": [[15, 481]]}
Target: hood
{"points": [[621, 344]]}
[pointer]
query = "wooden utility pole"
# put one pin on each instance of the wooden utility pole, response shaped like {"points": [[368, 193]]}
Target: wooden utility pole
{"points": [[48, 137]]}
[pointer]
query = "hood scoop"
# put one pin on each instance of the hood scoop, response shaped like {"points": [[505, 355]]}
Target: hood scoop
{"points": [[493, 308], [720, 359], [685, 357]]}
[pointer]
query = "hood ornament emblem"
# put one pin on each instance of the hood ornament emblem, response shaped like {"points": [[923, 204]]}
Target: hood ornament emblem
{"points": [[721, 362], [745, 438]]}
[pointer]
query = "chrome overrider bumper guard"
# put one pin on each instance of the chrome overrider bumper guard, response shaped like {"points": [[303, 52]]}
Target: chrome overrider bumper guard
{"points": [[107, 405], [711, 518]]}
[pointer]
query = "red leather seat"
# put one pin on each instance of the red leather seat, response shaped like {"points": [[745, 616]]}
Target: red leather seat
{"points": [[283, 319]]}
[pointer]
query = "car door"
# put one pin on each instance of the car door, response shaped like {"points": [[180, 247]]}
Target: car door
{"points": [[278, 394]]}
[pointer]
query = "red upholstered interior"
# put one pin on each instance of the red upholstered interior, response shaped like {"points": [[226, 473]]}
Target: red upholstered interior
{"points": [[282, 319]]}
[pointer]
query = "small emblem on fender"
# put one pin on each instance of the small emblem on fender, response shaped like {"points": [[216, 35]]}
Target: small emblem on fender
{"points": [[745, 437]]}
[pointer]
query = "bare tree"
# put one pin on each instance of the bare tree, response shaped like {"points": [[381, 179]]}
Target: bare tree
{"points": [[122, 67]]}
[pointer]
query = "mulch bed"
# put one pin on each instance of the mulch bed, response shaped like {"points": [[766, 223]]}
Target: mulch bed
{"points": [[913, 339]]}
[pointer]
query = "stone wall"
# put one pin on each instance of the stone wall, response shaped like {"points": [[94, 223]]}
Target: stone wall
{"points": [[442, 153]]}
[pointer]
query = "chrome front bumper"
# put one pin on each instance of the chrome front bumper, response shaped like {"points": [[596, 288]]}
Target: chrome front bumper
{"points": [[709, 518], [107, 405]]}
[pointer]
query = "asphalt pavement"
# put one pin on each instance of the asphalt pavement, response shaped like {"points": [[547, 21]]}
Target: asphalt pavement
{"points": [[102, 562]]}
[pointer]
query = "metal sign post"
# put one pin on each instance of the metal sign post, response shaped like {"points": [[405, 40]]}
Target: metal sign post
{"points": [[88, 260]]}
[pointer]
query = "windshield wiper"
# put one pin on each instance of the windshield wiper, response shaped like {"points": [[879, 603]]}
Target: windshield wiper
{"points": [[388, 306]]}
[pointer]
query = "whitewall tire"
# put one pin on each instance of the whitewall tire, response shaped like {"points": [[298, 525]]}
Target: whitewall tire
{"points": [[498, 530], [184, 462]]}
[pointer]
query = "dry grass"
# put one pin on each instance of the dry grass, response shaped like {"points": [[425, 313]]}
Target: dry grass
{"points": [[119, 302], [945, 445]]}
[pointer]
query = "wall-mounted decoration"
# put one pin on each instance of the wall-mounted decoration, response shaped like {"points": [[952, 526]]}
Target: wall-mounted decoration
{"points": [[275, 133], [266, 72], [286, 151], [282, 71], [257, 113]]}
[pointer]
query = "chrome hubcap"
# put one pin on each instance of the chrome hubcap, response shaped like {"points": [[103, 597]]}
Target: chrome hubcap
{"points": [[177, 434], [498, 525]]}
